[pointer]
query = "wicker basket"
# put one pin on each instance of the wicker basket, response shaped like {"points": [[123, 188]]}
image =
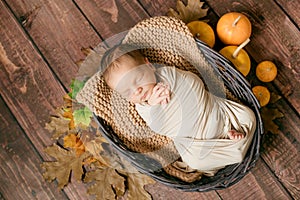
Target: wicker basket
{"points": [[237, 88]]}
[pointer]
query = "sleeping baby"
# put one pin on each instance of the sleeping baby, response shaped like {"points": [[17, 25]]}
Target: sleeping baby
{"points": [[209, 132]]}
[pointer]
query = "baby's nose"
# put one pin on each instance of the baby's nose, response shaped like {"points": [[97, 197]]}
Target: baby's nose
{"points": [[138, 91]]}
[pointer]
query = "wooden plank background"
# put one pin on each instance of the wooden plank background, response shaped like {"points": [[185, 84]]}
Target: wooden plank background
{"points": [[40, 43]]}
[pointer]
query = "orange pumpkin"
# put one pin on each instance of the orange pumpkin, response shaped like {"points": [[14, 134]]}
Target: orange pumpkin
{"points": [[238, 56], [203, 32], [262, 94], [241, 62], [234, 28], [266, 71]]}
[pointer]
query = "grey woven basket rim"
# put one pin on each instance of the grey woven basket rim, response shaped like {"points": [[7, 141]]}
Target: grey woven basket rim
{"points": [[225, 177]]}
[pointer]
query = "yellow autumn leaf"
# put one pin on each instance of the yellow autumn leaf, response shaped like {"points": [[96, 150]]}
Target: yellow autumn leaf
{"points": [[68, 113], [68, 101], [191, 12], [72, 141]]}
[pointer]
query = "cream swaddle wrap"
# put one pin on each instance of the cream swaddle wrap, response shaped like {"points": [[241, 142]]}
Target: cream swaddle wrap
{"points": [[198, 122]]}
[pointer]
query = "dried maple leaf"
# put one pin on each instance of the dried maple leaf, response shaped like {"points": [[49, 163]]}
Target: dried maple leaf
{"points": [[90, 65], [274, 98], [193, 11], [95, 148], [135, 183], [269, 114], [108, 183], [68, 101], [58, 126], [72, 141], [111, 8], [66, 162], [68, 114]]}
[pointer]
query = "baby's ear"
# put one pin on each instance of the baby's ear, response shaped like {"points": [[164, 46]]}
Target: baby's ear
{"points": [[146, 60], [149, 64]]}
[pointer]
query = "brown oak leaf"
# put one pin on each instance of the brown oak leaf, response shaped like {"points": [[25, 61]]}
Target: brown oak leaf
{"points": [[193, 11], [66, 162], [135, 183], [269, 114], [274, 98], [108, 183], [111, 8], [94, 147], [68, 101], [90, 65], [58, 126]]}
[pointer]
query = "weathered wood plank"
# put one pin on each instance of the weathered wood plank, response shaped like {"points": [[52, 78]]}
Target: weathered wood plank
{"points": [[271, 36], [158, 7], [283, 159], [259, 184], [281, 151], [29, 87], [21, 176], [162, 192], [27, 84], [161, 7], [112, 17], [59, 30], [274, 37], [291, 7]]}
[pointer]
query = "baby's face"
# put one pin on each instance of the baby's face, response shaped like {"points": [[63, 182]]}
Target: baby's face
{"points": [[135, 83]]}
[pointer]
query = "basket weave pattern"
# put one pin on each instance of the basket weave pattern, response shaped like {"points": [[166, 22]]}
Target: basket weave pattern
{"points": [[167, 41]]}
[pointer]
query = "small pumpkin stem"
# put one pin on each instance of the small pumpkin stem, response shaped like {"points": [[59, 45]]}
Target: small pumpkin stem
{"points": [[236, 21], [236, 52]]}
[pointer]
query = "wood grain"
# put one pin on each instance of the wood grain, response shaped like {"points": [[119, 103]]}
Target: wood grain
{"points": [[283, 159], [259, 184], [274, 37], [281, 151], [129, 12], [29, 87], [158, 7], [162, 192], [59, 31], [276, 40], [291, 7], [21, 176]]}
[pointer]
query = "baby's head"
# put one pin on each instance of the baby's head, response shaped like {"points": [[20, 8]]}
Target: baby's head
{"points": [[129, 73]]}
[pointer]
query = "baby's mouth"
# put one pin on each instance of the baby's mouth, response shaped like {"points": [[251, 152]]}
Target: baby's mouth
{"points": [[144, 96]]}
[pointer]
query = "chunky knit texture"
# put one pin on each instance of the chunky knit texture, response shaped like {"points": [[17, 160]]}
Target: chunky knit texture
{"points": [[162, 40]]}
